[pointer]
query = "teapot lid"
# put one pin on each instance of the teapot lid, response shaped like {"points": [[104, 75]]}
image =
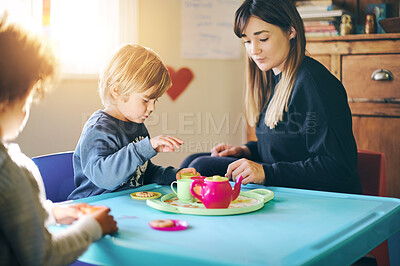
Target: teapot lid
{"points": [[216, 178]]}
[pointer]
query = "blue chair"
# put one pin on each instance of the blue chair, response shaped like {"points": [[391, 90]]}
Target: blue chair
{"points": [[57, 173], [58, 178]]}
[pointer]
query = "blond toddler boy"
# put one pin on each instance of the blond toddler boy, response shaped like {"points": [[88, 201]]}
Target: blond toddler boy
{"points": [[115, 148]]}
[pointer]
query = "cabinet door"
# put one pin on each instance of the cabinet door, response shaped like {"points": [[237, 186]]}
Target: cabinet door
{"points": [[381, 134]]}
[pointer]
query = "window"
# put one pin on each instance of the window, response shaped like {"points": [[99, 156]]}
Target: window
{"points": [[85, 32], [26, 12]]}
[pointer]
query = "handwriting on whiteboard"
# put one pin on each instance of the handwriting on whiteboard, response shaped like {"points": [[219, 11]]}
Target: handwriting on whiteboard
{"points": [[207, 29]]}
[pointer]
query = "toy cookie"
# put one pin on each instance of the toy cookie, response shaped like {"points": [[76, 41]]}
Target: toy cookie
{"points": [[162, 223], [143, 195], [89, 209], [168, 225]]}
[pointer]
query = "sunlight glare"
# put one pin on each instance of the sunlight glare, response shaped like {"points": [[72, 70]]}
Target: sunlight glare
{"points": [[84, 33]]}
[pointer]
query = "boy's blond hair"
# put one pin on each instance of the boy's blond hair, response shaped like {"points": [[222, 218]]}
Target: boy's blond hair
{"points": [[27, 64], [134, 68]]}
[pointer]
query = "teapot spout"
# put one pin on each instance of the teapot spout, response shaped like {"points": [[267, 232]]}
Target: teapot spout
{"points": [[236, 189]]}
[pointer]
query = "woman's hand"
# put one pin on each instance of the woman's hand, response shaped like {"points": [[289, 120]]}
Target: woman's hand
{"points": [[164, 143], [225, 150], [187, 170], [250, 171]]}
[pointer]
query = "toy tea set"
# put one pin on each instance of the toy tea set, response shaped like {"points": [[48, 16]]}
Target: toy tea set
{"points": [[213, 195]]}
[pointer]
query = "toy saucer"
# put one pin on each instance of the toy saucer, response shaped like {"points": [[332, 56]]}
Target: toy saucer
{"points": [[178, 225], [248, 201], [156, 195]]}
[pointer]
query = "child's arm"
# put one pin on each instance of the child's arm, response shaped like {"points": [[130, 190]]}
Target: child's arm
{"points": [[23, 217], [22, 224], [164, 175], [107, 162], [160, 175]]}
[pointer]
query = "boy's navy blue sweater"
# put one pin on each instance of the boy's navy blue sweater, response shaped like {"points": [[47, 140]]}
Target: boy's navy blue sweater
{"points": [[313, 147], [114, 155]]}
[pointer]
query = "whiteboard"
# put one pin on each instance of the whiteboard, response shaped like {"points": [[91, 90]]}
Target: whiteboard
{"points": [[207, 29]]}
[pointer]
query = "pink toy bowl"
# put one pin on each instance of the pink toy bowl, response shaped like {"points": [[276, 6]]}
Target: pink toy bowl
{"points": [[216, 192]]}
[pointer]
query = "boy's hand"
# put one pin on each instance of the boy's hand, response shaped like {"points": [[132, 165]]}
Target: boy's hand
{"points": [[187, 170], [106, 221], [67, 214], [164, 143]]}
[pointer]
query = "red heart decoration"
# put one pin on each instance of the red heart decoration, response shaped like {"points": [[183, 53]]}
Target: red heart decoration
{"points": [[180, 81]]}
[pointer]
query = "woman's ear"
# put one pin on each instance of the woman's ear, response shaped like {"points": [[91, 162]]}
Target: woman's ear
{"points": [[292, 33], [114, 90]]}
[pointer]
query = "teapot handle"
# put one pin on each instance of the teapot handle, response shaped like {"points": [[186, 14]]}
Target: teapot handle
{"points": [[199, 182]]}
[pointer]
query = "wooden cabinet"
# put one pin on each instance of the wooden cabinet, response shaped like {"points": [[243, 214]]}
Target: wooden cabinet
{"points": [[375, 104]]}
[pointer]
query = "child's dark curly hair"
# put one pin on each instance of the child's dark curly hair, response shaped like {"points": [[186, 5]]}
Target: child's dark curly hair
{"points": [[27, 64]]}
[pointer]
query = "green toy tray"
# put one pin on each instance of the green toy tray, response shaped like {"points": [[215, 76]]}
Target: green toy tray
{"points": [[248, 201]]}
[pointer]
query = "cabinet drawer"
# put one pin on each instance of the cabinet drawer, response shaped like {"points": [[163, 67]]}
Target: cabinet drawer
{"points": [[356, 77], [375, 109]]}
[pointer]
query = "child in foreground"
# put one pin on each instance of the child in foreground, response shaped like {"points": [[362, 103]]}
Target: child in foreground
{"points": [[26, 69], [115, 148]]}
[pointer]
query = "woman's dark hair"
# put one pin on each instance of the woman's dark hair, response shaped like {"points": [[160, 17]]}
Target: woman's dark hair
{"points": [[281, 13]]}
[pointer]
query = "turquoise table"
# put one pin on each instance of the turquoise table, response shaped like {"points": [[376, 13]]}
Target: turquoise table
{"points": [[297, 227]]}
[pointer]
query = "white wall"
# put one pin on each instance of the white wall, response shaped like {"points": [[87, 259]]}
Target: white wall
{"points": [[208, 112], [55, 124]]}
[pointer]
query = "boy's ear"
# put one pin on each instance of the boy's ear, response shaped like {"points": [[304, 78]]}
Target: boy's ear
{"points": [[114, 90]]}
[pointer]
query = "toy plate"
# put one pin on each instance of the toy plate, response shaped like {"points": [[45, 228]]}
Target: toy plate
{"points": [[156, 195], [178, 225], [248, 201]]}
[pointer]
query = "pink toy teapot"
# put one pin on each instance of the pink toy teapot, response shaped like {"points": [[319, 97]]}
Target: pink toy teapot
{"points": [[216, 192]]}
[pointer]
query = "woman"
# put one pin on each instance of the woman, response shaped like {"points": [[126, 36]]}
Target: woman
{"points": [[300, 110]]}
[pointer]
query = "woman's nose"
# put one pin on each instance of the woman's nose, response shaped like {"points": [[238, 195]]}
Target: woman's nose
{"points": [[254, 48]]}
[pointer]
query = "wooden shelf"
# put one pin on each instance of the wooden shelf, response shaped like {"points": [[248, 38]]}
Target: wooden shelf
{"points": [[356, 37]]}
